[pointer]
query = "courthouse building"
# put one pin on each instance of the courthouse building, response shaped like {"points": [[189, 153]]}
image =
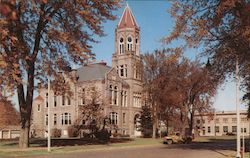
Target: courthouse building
{"points": [[221, 123], [121, 83]]}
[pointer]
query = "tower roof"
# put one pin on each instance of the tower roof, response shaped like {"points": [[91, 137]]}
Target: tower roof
{"points": [[127, 20]]}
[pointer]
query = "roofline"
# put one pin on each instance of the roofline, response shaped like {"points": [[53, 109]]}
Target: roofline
{"points": [[133, 17]]}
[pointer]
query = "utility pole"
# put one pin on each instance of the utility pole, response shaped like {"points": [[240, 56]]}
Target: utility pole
{"points": [[237, 107], [49, 140]]}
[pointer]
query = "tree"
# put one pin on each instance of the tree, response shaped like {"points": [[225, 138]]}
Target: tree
{"points": [[176, 86], [91, 118], [222, 27], [41, 38], [146, 121], [156, 73], [8, 114]]}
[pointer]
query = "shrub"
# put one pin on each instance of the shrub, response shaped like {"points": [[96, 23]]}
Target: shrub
{"points": [[73, 131], [56, 133], [103, 135], [147, 133]]}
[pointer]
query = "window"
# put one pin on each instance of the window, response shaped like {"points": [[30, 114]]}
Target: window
{"points": [[116, 96], [245, 130], [209, 129], [137, 99], [63, 100], [47, 99], [130, 45], [123, 71], [217, 129], [55, 101], [110, 94], [124, 98], [55, 119], [38, 107], [121, 46], [243, 119], [66, 118], [137, 72], [69, 101], [217, 120], [234, 129], [225, 129], [234, 120], [46, 119], [83, 96], [123, 117], [113, 118], [225, 120]]}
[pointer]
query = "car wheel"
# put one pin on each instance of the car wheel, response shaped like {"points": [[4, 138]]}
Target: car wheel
{"points": [[169, 141]]}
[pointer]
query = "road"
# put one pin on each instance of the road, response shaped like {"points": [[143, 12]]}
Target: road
{"points": [[195, 150]]}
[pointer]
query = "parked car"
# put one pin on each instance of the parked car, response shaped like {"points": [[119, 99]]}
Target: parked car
{"points": [[176, 138]]}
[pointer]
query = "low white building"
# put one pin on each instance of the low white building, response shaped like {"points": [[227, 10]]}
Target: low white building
{"points": [[221, 123]]}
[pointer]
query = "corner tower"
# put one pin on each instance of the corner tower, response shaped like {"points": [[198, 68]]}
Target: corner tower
{"points": [[126, 58], [128, 63]]}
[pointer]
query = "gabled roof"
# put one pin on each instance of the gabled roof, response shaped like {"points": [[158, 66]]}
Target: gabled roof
{"points": [[95, 71], [127, 20]]}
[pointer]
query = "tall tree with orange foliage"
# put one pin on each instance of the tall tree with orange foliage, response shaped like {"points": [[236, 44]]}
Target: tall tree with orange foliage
{"points": [[176, 86], [222, 27], [40, 38]]}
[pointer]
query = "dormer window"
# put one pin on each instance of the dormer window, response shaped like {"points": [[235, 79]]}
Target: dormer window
{"points": [[130, 44], [121, 46]]}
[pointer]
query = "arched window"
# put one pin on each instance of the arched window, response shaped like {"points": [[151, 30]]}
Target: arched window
{"points": [[137, 123], [113, 118], [121, 45], [130, 44]]}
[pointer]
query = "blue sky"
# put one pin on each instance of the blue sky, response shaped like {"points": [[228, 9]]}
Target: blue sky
{"points": [[155, 22]]}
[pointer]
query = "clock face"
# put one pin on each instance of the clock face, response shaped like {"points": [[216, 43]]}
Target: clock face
{"points": [[121, 40], [129, 39]]}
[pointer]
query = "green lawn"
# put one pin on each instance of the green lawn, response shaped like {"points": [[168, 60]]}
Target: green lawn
{"points": [[10, 148]]}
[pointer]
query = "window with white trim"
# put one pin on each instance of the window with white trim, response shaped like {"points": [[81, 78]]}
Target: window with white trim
{"points": [[124, 98], [137, 101], [113, 118], [121, 46], [130, 44], [66, 119]]}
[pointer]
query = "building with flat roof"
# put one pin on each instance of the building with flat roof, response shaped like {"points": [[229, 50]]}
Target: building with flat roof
{"points": [[221, 123]]}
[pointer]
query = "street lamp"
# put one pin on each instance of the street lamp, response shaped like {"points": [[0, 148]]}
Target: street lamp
{"points": [[49, 140], [237, 107]]}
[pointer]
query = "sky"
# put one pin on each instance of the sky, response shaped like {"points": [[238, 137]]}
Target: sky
{"points": [[155, 22]]}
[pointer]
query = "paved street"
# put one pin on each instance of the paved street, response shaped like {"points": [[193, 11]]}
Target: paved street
{"points": [[195, 150]]}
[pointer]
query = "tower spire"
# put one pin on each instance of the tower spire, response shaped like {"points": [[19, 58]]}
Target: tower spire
{"points": [[127, 20]]}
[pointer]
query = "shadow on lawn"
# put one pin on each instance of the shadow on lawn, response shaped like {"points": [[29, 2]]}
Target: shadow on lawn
{"points": [[76, 141], [66, 142], [213, 144]]}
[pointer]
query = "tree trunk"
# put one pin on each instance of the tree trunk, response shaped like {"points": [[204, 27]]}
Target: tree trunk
{"points": [[191, 124], [24, 137], [154, 129]]}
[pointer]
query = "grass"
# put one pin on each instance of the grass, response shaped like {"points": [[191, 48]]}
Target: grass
{"points": [[10, 148]]}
